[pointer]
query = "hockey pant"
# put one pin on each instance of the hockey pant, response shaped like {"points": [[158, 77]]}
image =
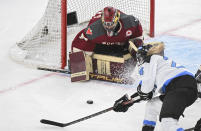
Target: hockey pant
{"points": [[174, 103], [181, 93], [153, 110]]}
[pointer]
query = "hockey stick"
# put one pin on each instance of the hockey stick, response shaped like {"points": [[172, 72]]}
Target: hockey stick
{"points": [[54, 123], [44, 121], [190, 129]]}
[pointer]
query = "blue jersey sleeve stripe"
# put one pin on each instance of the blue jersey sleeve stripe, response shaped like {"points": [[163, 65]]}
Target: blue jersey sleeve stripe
{"points": [[180, 129], [165, 58], [180, 66], [150, 123], [140, 82], [169, 80], [173, 64], [141, 71]]}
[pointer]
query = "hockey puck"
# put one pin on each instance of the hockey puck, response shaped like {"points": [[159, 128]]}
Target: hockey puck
{"points": [[90, 102]]}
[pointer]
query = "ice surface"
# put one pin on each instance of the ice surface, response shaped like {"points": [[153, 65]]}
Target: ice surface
{"points": [[28, 95]]}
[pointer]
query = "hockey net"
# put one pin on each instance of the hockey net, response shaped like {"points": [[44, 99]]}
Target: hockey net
{"points": [[42, 45]]}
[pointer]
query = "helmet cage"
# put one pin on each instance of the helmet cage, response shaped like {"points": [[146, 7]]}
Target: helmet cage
{"points": [[110, 26], [142, 55]]}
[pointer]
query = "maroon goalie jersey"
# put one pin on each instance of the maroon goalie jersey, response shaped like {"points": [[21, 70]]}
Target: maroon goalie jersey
{"points": [[95, 33]]}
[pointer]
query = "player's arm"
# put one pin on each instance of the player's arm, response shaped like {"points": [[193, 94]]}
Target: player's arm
{"points": [[136, 38], [136, 27], [148, 71], [82, 43]]}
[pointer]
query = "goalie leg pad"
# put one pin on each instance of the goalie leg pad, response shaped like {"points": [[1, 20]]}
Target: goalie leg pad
{"points": [[80, 66]]}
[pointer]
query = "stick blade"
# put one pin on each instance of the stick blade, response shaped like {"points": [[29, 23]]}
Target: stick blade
{"points": [[52, 123]]}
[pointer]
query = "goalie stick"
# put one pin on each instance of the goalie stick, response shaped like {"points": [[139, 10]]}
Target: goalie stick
{"points": [[54, 70], [54, 123]]}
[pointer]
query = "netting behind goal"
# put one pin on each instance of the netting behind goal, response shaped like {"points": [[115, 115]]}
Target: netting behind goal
{"points": [[42, 45]]}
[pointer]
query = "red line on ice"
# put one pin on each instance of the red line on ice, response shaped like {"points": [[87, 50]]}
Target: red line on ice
{"points": [[26, 83], [180, 27]]}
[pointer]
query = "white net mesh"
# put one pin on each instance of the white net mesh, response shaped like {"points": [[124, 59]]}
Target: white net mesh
{"points": [[87, 8], [42, 45]]}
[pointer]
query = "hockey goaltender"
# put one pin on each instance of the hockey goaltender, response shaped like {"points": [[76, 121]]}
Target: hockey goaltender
{"points": [[102, 50]]}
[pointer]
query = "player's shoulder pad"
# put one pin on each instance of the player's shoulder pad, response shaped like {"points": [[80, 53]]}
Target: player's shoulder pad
{"points": [[154, 58], [129, 21], [94, 30]]}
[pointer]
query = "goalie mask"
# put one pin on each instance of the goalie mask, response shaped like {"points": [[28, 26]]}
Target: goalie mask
{"points": [[144, 52], [110, 19]]}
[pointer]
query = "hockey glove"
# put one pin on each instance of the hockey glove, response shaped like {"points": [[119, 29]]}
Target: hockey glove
{"points": [[198, 79], [144, 96], [198, 126], [122, 104], [198, 75], [199, 89]]}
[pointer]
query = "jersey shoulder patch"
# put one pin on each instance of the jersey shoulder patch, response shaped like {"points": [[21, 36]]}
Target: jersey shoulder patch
{"points": [[89, 31]]}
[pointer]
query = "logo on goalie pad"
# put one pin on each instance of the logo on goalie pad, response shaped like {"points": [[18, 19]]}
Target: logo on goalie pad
{"points": [[106, 78]]}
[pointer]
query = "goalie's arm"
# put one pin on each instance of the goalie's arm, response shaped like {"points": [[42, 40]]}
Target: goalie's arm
{"points": [[133, 45], [82, 43]]}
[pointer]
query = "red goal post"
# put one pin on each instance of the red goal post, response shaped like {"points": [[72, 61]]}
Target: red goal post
{"points": [[48, 42]]}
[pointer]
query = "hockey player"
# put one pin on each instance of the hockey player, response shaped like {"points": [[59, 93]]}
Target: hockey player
{"points": [[108, 27], [107, 33], [169, 89]]}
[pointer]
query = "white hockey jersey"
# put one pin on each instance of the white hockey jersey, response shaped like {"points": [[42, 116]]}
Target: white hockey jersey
{"points": [[158, 73]]}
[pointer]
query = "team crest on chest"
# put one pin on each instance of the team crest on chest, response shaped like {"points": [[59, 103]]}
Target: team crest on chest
{"points": [[89, 31], [128, 33]]}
